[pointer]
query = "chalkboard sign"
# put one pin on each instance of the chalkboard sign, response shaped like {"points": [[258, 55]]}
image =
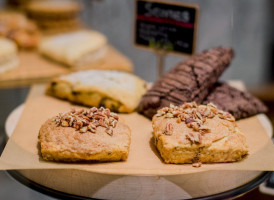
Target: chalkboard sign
{"points": [[165, 25]]}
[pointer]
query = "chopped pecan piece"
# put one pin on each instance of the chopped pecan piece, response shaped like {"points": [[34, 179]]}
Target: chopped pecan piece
{"points": [[169, 129], [194, 137], [197, 164], [109, 131]]}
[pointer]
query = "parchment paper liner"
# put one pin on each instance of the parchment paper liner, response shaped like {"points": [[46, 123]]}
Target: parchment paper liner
{"points": [[21, 152]]}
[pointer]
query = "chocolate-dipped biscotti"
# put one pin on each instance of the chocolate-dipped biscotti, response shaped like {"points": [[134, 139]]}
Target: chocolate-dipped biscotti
{"points": [[240, 104], [190, 80]]}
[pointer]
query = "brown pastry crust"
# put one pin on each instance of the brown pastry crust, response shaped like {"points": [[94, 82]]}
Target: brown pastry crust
{"points": [[217, 138]]}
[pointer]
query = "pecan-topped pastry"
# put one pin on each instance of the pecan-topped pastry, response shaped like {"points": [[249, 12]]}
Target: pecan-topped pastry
{"points": [[193, 133], [85, 134]]}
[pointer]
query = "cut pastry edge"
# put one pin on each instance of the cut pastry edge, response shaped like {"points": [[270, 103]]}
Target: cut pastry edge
{"points": [[68, 156], [197, 153]]}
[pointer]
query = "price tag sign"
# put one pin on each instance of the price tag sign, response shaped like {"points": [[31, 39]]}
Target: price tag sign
{"points": [[167, 26]]}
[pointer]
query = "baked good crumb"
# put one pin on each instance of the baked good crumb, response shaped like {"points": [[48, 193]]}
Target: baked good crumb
{"points": [[197, 134]]}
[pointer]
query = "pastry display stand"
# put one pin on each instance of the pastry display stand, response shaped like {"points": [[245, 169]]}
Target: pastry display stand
{"points": [[79, 184]]}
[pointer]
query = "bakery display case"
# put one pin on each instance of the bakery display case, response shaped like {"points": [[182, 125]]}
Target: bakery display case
{"points": [[136, 99]]}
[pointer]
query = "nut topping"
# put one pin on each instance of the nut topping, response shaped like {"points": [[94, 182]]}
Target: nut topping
{"points": [[194, 137], [109, 131], [193, 115], [86, 120], [169, 129], [198, 164], [204, 129], [65, 123]]}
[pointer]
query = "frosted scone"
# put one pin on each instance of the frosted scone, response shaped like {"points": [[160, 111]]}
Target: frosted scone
{"points": [[118, 91], [75, 49], [8, 55], [193, 133], [85, 135]]}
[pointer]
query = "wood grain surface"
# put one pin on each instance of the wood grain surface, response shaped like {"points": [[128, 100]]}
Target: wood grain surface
{"points": [[34, 68]]}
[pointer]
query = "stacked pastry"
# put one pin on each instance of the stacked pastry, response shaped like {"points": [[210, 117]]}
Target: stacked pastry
{"points": [[55, 16], [18, 28], [196, 80]]}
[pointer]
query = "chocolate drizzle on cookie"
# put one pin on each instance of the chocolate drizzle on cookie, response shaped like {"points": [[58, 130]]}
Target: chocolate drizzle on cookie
{"points": [[85, 120]]}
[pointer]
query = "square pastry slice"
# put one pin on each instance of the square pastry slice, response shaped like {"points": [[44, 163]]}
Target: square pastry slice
{"points": [[118, 91], [85, 135], [75, 49], [193, 133]]}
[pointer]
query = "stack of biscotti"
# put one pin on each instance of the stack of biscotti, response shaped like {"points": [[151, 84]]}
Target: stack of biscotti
{"points": [[195, 79], [54, 16]]}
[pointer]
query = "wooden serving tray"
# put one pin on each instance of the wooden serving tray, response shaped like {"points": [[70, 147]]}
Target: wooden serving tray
{"points": [[34, 68]]}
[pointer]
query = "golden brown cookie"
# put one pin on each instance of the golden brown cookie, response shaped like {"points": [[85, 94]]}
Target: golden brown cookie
{"points": [[85, 135], [193, 133]]}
